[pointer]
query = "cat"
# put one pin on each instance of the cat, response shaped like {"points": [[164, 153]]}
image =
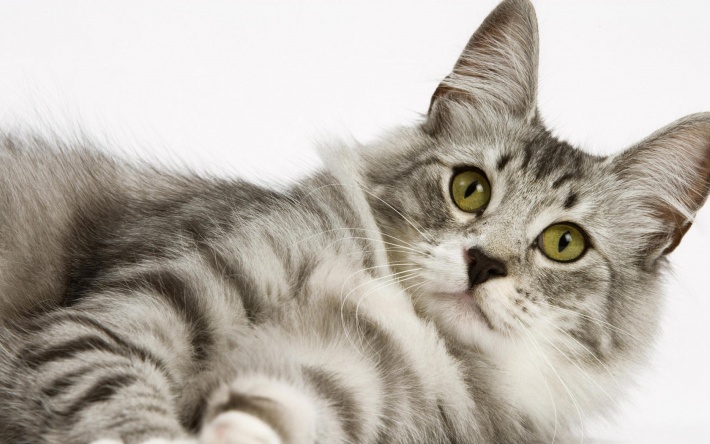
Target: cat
{"points": [[467, 279]]}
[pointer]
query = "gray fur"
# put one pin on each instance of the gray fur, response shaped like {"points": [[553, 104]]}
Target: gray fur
{"points": [[140, 304]]}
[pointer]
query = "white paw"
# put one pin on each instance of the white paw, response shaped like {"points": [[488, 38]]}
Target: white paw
{"points": [[150, 441], [234, 427], [170, 441]]}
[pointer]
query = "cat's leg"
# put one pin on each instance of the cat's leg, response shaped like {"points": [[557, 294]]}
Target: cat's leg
{"points": [[337, 376], [268, 408], [113, 368], [259, 409]]}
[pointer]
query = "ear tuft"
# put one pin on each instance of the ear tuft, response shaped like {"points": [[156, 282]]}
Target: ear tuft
{"points": [[670, 172], [497, 70]]}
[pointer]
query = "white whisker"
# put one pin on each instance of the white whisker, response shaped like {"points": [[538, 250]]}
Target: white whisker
{"points": [[564, 385]]}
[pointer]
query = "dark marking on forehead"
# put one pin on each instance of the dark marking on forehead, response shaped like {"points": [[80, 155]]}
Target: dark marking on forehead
{"points": [[503, 161], [571, 200], [562, 179], [527, 154], [553, 156]]}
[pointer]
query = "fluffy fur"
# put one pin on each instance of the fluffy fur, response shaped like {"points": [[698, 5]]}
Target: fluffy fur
{"points": [[146, 307]]}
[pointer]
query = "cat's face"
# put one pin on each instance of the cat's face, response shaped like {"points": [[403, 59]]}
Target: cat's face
{"points": [[505, 236]]}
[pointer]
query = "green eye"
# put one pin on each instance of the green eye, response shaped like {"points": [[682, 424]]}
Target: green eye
{"points": [[562, 242], [470, 190]]}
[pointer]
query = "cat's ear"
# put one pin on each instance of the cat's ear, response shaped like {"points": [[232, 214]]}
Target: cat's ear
{"points": [[497, 70], [668, 174]]}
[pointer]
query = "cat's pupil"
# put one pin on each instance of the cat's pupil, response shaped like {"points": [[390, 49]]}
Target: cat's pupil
{"points": [[565, 239], [472, 188]]}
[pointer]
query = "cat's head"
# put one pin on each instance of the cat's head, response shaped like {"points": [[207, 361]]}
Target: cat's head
{"points": [[506, 236]]}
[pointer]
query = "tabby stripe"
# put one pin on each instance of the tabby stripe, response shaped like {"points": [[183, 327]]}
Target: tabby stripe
{"points": [[69, 349], [252, 302], [101, 390], [339, 397], [265, 409], [300, 279], [527, 154], [131, 347], [356, 234], [181, 297], [192, 417], [571, 200], [143, 408], [392, 364], [502, 162], [59, 385], [564, 178]]}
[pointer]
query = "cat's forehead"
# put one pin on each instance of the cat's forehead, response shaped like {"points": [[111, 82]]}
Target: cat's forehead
{"points": [[526, 153], [536, 179]]}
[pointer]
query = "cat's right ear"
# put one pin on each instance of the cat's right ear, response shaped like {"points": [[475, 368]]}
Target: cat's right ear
{"points": [[668, 176], [497, 71]]}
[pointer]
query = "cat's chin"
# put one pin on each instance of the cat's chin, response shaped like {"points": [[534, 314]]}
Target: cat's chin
{"points": [[461, 317], [473, 308]]}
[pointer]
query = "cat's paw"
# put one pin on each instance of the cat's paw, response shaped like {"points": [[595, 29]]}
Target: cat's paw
{"points": [[234, 427], [150, 441], [170, 441]]}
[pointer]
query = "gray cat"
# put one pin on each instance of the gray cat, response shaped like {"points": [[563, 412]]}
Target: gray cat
{"points": [[467, 279]]}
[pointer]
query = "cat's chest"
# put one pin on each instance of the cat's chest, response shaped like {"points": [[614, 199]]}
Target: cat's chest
{"points": [[557, 395]]}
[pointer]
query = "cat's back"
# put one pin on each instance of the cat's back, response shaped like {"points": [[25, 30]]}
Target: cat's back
{"points": [[72, 219], [42, 187], [68, 211]]}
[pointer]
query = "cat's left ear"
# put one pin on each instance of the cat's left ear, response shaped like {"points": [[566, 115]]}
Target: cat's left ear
{"points": [[497, 70], [668, 173]]}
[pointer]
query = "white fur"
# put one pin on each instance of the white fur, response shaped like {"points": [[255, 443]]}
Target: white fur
{"points": [[238, 428]]}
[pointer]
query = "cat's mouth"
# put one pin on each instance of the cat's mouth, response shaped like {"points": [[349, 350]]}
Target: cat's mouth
{"points": [[468, 298]]}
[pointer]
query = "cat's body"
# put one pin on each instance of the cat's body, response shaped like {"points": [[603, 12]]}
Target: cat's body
{"points": [[154, 305]]}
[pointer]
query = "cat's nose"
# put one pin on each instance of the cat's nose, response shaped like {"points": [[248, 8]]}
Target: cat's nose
{"points": [[482, 267]]}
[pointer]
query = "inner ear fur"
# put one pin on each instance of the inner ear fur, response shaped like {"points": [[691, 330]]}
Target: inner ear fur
{"points": [[497, 70], [670, 171]]}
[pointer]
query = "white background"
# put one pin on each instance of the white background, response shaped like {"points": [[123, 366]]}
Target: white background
{"points": [[245, 88]]}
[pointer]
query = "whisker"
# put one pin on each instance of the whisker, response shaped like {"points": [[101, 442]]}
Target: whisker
{"points": [[373, 195], [567, 389], [582, 315], [355, 229], [393, 245], [357, 306], [549, 391], [579, 368], [362, 298], [345, 298], [608, 370]]}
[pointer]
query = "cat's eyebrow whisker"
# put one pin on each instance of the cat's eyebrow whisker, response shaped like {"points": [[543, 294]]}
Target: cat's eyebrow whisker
{"points": [[585, 316], [564, 385]]}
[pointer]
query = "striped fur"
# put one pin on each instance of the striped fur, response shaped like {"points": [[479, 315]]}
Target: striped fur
{"points": [[141, 306]]}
